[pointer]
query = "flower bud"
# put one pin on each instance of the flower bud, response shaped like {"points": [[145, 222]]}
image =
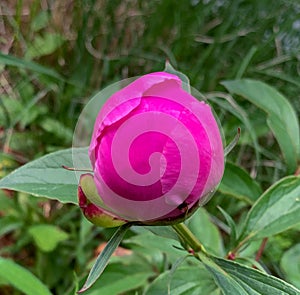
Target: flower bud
{"points": [[156, 153]]}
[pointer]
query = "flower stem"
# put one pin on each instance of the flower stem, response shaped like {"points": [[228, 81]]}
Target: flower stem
{"points": [[188, 238]]}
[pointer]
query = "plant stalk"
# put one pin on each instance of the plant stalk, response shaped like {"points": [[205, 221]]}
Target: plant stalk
{"points": [[188, 238]]}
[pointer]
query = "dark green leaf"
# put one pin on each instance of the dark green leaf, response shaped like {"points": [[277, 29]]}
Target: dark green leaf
{"points": [[282, 118], [21, 278], [8, 224], [11, 60], [57, 129], [45, 176], [237, 279], [103, 258], [231, 224], [233, 143], [238, 183]]}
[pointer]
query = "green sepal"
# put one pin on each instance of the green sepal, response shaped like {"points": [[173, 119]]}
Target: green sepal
{"points": [[91, 204]]}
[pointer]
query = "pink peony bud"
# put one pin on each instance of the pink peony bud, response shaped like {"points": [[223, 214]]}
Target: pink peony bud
{"points": [[156, 151]]}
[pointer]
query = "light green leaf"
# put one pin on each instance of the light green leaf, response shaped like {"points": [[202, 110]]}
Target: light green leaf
{"points": [[238, 183], [44, 45], [45, 176], [281, 117], [207, 233], [290, 264], [47, 236], [40, 21], [186, 280], [21, 278], [277, 210], [237, 279]]}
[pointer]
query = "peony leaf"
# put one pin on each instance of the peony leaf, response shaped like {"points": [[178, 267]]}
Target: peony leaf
{"points": [[103, 258], [277, 210], [45, 176], [234, 278], [124, 274], [186, 280], [238, 183], [281, 117]]}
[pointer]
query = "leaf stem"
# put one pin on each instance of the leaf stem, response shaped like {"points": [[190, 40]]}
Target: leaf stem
{"points": [[188, 238]]}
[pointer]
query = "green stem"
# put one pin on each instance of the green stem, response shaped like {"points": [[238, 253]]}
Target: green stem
{"points": [[188, 237]]}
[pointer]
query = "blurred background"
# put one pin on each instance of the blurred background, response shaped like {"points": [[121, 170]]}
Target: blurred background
{"points": [[62, 52], [56, 54]]}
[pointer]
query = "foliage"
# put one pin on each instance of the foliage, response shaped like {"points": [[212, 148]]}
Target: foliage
{"points": [[243, 56]]}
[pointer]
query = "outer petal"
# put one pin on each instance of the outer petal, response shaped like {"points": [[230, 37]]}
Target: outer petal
{"points": [[136, 89]]}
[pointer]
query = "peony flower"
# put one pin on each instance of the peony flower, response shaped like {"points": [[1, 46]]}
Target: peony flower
{"points": [[156, 153]]}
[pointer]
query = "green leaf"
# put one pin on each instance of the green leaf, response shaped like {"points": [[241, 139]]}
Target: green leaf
{"points": [[127, 283], [186, 280], [232, 226], [238, 183], [163, 231], [40, 21], [47, 236], [119, 278], [9, 223], [45, 176], [277, 210], [207, 233], [228, 103], [44, 45], [56, 128], [233, 143], [103, 258], [237, 279], [155, 242], [290, 264], [281, 117], [11, 60], [21, 278]]}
